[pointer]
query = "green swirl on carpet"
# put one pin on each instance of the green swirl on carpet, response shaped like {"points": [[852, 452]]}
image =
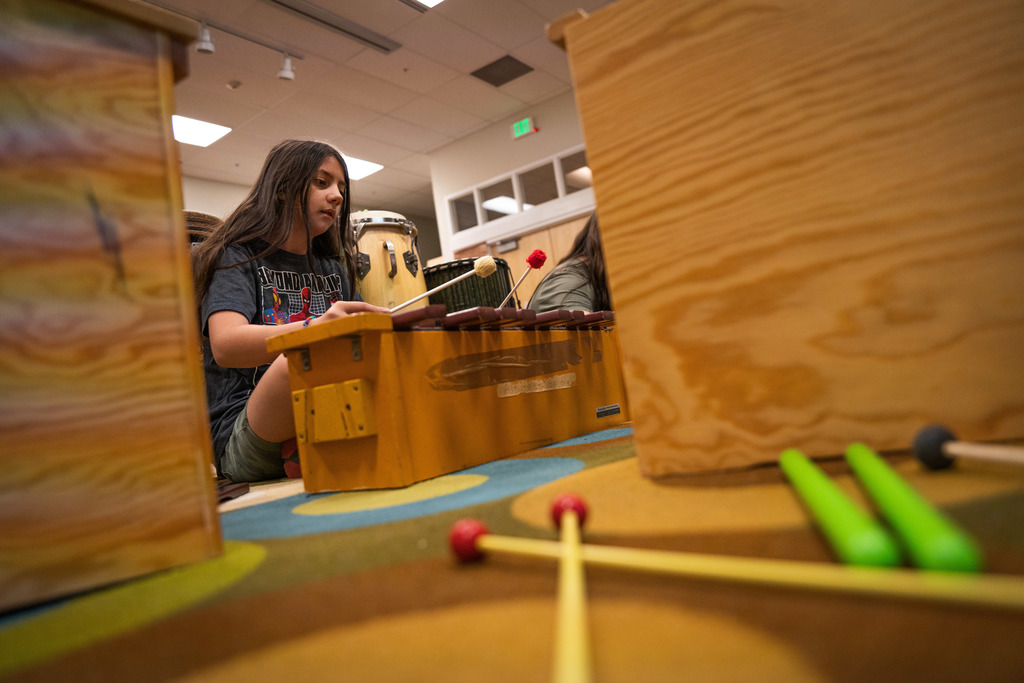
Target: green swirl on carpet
{"points": [[96, 616]]}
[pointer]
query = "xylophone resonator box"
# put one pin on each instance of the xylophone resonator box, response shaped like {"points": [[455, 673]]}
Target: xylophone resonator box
{"points": [[377, 407], [813, 220]]}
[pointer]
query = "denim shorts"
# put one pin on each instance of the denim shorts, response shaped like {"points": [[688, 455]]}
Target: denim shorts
{"points": [[247, 457]]}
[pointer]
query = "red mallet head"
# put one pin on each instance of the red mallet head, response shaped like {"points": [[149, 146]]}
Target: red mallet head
{"points": [[462, 539], [537, 258], [568, 501]]}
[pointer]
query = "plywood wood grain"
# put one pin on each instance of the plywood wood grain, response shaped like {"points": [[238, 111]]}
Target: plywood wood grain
{"points": [[813, 218], [105, 441]]}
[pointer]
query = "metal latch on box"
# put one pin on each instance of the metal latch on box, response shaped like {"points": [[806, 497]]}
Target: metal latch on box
{"points": [[332, 412]]}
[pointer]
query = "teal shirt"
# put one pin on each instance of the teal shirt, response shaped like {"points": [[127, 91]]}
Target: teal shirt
{"points": [[564, 288]]}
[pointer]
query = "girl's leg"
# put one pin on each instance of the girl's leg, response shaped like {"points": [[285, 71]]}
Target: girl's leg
{"points": [[270, 406]]}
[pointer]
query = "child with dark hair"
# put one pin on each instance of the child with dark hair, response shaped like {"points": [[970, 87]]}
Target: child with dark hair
{"points": [[577, 282], [273, 266]]}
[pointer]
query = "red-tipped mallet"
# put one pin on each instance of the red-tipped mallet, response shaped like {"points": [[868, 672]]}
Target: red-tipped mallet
{"points": [[535, 260], [572, 644], [469, 540], [936, 447]]}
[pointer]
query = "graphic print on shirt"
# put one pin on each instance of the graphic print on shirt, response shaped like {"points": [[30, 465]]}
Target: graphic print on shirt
{"points": [[287, 296]]}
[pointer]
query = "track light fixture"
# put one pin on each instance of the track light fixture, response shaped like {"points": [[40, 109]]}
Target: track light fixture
{"points": [[286, 73], [204, 45]]}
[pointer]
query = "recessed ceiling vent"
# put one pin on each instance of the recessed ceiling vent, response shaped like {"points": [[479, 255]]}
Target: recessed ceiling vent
{"points": [[501, 71]]}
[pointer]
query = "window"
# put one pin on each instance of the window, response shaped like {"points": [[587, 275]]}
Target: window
{"points": [[546, 181], [498, 199], [463, 212], [576, 172], [538, 185]]}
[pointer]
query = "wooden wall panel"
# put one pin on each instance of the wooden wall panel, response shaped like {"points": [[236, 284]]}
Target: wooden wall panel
{"points": [[813, 217], [105, 440]]}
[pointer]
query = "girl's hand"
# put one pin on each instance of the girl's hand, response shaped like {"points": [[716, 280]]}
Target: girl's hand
{"points": [[340, 309]]}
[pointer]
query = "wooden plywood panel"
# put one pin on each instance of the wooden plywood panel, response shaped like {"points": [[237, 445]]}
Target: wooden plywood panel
{"points": [[105, 439], [813, 217]]}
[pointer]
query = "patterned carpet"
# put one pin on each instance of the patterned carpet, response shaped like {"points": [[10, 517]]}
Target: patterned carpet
{"points": [[361, 587]]}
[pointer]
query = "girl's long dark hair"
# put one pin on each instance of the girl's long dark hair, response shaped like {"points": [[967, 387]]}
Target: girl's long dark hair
{"points": [[264, 219], [587, 246]]}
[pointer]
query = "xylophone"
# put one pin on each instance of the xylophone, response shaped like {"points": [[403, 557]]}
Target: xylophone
{"points": [[387, 401]]}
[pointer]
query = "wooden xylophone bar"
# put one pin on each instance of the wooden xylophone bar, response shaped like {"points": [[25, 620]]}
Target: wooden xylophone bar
{"points": [[436, 316]]}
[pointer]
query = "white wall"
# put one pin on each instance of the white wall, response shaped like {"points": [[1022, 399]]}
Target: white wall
{"points": [[493, 152], [212, 197]]}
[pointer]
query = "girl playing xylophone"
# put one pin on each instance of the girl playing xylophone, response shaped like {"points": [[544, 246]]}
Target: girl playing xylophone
{"points": [[578, 282], [272, 267]]}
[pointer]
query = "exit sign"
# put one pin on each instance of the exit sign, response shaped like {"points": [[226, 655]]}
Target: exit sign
{"points": [[523, 127]]}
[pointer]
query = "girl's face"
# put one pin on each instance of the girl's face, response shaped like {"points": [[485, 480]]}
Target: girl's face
{"points": [[323, 199], [326, 193]]}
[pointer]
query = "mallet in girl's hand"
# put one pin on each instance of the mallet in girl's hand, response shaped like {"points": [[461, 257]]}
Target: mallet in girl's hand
{"points": [[483, 266], [535, 260]]}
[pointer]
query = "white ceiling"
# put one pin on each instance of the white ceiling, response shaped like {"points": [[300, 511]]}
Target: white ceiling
{"points": [[392, 108]]}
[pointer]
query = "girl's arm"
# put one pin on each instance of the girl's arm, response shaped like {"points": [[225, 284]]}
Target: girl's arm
{"points": [[236, 343]]}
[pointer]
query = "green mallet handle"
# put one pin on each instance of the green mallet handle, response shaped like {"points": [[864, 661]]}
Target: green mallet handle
{"points": [[854, 535], [931, 539]]}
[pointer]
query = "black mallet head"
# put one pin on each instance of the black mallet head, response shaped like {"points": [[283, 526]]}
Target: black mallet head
{"points": [[928, 447]]}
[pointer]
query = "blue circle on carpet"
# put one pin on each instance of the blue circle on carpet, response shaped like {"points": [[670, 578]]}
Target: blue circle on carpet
{"points": [[276, 519]]}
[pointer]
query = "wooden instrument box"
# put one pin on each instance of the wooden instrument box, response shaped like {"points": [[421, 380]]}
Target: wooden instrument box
{"points": [[105, 471], [377, 407], [813, 220]]}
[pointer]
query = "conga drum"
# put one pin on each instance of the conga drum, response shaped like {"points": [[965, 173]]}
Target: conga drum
{"points": [[388, 268]]}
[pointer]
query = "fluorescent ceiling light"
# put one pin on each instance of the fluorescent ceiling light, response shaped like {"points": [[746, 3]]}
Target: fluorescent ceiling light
{"points": [[195, 132], [357, 168], [503, 204], [421, 5]]}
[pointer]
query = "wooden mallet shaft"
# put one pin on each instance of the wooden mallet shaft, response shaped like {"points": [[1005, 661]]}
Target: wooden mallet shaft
{"points": [[483, 266], [981, 590], [513, 290], [535, 260]]}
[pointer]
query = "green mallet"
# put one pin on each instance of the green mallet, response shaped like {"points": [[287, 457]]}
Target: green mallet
{"points": [[854, 535], [931, 539]]}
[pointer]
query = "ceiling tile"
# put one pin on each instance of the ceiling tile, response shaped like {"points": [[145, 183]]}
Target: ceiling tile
{"points": [[439, 117], [326, 106], [416, 163], [362, 147], [369, 91], [445, 42], [535, 86], [400, 180], [507, 23], [404, 68], [225, 111], [479, 99], [541, 54], [403, 134]]}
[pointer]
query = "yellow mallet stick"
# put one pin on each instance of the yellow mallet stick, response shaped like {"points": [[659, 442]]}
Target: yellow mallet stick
{"points": [[572, 640], [469, 539]]}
